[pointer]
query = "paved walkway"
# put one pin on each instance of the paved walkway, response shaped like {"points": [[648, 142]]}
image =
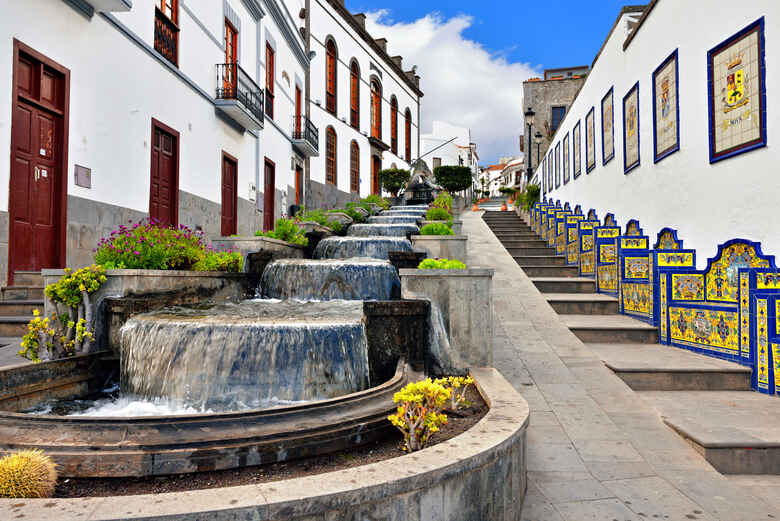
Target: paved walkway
{"points": [[596, 450]]}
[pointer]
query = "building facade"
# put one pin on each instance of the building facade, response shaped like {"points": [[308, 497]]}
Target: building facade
{"points": [[189, 112], [450, 145], [673, 131]]}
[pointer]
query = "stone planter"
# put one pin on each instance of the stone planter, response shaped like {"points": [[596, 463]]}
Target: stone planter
{"points": [[457, 225], [442, 246], [168, 287], [309, 227], [375, 208], [246, 245], [464, 300], [362, 211], [343, 218]]}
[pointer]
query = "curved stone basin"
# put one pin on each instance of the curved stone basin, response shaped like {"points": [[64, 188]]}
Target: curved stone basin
{"points": [[397, 219], [330, 279], [145, 446], [395, 213], [350, 247], [241, 356], [383, 230], [410, 207]]}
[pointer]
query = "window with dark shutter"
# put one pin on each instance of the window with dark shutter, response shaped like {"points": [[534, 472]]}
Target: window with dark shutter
{"points": [[354, 168], [394, 125], [330, 156], [354, 102], [330, 77]]}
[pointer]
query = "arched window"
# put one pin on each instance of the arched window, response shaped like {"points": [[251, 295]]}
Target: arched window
{"points": [[376, 109], [354, 167], [331, 58], [354, 97], [330, 156], [408, 124], [394, 125]]}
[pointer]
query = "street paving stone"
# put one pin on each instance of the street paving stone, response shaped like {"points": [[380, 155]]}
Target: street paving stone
{"points": [[595, 449]]}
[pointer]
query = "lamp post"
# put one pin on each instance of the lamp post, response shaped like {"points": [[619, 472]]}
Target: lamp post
{"points": [[529, 116], [538, 137]]}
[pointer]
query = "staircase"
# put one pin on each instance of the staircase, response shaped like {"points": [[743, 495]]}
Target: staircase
{"points": [[17, 303]]}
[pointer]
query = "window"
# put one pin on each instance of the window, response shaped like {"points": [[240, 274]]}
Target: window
{"points": [[436, 162], [330, 77], [231, 60], [408, 124], [330, 156], [166, 29], [394, 125], [376, 109], [354, 167], [269, 80], [354, 97], [557, 116]]}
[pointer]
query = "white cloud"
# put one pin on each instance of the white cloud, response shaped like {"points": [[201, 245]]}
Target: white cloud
{"points": [[464, 84]]}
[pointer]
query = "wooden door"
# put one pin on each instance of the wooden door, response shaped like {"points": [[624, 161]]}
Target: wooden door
{"points": [[298, 107], [38, 183], [229, 195], [298, 185], [269, 191], [164, 190], [376, 166], [231, 60]]}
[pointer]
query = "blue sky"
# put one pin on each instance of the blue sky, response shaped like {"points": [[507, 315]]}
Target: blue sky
{"points": [[565, 32], [474, 56]]}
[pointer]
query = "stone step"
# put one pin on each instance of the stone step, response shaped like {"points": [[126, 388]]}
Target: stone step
{"points": [[610, 329], [525, 243], [551, 271], [737, 432], [572, 285], [28, 278], [21, 293], [14, 326], [582, 303], [520, 252], [654, 367], [540, 260], [514, 235], [9, 308]]}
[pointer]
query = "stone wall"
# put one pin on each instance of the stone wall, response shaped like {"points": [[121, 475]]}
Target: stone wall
{"points": [[325, 196], [542, 96], [4, 223]]}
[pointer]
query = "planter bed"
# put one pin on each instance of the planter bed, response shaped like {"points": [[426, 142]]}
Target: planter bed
{"points": [[457, 225], [442, 246]]}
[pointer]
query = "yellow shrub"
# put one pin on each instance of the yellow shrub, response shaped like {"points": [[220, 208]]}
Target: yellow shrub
{"points": [[27, 474], [419, 413]]}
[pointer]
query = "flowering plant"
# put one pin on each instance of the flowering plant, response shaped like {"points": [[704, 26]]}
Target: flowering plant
{"points": [[419, 414]]}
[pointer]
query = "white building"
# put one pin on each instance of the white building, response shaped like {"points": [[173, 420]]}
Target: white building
{"points": [[191, 112], [699, 158], [450, 145], [366, 107]]}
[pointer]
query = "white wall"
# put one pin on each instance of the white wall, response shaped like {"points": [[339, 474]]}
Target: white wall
{"points": [[325, 21], [707, 203]]}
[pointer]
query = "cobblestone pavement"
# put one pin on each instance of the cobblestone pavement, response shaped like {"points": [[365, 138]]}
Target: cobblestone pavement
{"points": [[596, 450]]}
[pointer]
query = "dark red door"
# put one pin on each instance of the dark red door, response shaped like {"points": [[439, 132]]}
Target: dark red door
{"points": [[229, 195], [376, 166], [163, 195], [37, 187], [269, 191], [298, 185]]}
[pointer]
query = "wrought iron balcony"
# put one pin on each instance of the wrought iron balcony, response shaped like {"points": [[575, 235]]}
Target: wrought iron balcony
{"points": [[166, 37], [305, 136], [239, 97]]}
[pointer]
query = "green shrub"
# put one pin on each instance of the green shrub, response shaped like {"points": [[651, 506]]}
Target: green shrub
{"points": [[319, 217], [531, 196], [229, 261], [356, 216], [393, 179], [148, 246], [443, 200], [441, 264], [286, 230], [436, 229], [27, 474], [375, 199], [438, 214], [453, 178]]}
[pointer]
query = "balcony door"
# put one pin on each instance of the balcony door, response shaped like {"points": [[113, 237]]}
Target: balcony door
{"points": [[38, 184], [269, 192], [376, 166], [229, 195], [298, 107], [231, 59], [164, 178]]}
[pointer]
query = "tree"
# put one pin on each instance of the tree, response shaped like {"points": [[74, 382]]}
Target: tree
{"points": [[393, 179], [453, 178]]}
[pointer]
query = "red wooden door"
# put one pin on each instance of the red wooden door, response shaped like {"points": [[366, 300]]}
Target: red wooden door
{"points": [[269, 191], [163, 194], [229, 195], [376, 166], [298, 185], [298, 107], [38, 149], [231, 60]]}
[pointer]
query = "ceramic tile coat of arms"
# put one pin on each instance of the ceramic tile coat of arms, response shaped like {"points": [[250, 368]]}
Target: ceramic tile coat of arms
{"points": [[631, 129], [688, 287], [705, 328], [722, 277], [590, 141], [637, 267], [666, 126], [576, 154], [666, 242], [566, 162], [607, 130]]}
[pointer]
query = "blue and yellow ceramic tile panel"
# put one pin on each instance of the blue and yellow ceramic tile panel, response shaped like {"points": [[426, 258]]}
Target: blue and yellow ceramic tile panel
{"points": [[636, 299], [636, 267], [761, 378], [705, 329], [609, 220], [632, 228], [722, 271], [587, 257], [667, 240], [592, 215], [634, 243], [663, 321], [578, 210], [607, 273], [676, 259], [688, 287]]}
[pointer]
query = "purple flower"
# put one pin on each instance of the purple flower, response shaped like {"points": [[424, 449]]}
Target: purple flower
{"points": [[137, 252]]}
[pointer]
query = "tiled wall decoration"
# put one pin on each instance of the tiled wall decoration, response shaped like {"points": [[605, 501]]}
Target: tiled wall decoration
{"points": [[723, 270], [666, 109], [688, 286], [576, 150], [736, 92], [667, 240], [708, 329], [637, 299], [558, 165], [631, 157], [590, 140], [607, 127], [566, 161]]}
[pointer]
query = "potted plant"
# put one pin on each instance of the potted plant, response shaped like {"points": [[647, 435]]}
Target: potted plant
{"points": [[393, 179]]}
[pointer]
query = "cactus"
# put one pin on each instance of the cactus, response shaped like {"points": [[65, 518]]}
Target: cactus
{"points": [[27, 474]]}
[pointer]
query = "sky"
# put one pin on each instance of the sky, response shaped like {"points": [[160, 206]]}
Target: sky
{"points": [[474, 56]]}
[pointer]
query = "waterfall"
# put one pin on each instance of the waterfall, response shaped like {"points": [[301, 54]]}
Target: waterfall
{"points": [[353, 279], [239, 356], [383, 230], [397, 219], [349, 247]]}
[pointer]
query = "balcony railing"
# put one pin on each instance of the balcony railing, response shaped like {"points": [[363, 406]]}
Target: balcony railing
{"points": [[269, 103], [166, 37], [304, 130], [233, 83]]}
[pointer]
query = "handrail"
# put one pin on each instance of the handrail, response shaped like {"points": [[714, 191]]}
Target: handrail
{"points": [[233, 83]]}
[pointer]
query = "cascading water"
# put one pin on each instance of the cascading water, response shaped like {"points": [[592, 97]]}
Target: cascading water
{"points": [[397, 219], [382, 230], [248, 355], [352, 279], [349, 247], [402, 213]]}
